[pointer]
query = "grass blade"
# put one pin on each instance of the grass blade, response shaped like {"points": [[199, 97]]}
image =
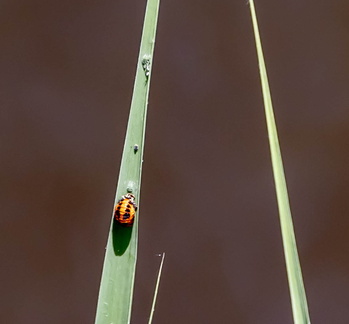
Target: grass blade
{"points": [[156, 289], [297, 291], [116, 289]]}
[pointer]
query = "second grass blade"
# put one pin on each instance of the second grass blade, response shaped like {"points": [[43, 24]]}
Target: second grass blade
{"points": [[156, 289], [297, 291], [116, 288]]}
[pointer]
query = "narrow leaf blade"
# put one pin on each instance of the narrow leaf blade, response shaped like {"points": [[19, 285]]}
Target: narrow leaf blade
{"points": [[156, 289], [116, 289], [294, 273]]}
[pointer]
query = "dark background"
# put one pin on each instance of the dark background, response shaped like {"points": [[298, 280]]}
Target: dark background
{"points": [[208, 197]]}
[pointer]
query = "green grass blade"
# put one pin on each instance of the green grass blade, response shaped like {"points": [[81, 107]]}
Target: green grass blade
{"points": [[116, 289], [297, 291], [156, 289]]}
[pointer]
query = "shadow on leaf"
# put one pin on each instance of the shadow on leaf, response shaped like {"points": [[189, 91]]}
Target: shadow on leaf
{"points": [[121, 237]]}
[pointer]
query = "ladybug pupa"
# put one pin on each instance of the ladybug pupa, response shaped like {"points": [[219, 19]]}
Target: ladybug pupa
{"points": [[125, 210]]}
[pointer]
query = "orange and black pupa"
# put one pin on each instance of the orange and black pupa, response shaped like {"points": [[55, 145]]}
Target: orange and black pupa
{"points": [[125, 210]]}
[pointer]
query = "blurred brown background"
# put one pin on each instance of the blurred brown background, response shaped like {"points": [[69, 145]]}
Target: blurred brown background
{"points": [[208, 197]]}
